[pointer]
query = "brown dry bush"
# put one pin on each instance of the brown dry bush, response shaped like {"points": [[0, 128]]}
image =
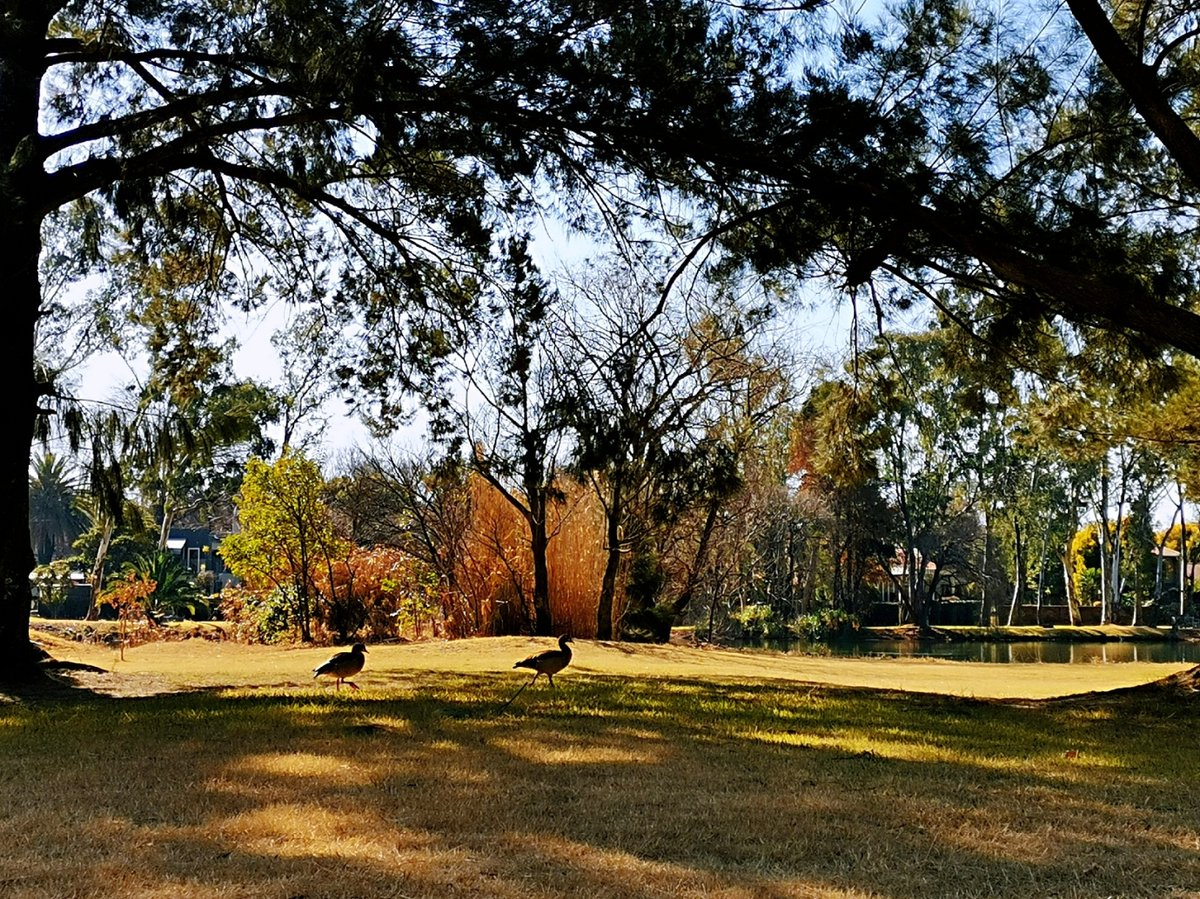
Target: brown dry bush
{"points": [[497, 570], [398, 593], [576, 561], [395, 594]]}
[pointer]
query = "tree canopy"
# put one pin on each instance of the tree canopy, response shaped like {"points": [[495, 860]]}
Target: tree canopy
{"points": [[1025, 171], [355, 153]]}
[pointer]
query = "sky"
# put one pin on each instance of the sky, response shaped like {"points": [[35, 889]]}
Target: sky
{"points": [[824, 329], [104, 375]]}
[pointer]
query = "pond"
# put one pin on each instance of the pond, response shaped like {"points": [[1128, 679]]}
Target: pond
{"points": [[1022, 651]]}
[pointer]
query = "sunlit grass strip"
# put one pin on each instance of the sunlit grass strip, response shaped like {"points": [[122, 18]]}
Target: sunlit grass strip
{"points": [[157, 667], [1036, 632]]}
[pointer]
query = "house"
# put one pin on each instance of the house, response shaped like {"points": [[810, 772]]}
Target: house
{"points": [[892, 583], [948, 606], [197, 549], [1171, 564]]}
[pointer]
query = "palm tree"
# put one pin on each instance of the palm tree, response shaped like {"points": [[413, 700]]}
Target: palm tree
{"points": [[175, 592], [55, 516]]}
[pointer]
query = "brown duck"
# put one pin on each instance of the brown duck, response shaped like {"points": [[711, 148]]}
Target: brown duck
{"points": [[549, 662], [343, 665]]}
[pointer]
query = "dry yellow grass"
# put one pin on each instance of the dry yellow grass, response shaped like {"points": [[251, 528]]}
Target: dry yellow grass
{"points": [[207, 663], [648, 772]]}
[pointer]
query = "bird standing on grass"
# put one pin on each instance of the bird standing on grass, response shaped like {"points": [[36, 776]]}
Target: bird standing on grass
{"points": [[343, 665], [550, 661]]}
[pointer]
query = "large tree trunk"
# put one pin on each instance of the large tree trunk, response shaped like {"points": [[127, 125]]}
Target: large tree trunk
{"points": [[1183, 554], [1018, 573], [608, 584], [17, 405], [96, 579], [18, 656], [1073, 605], [21, 32], [539, 542], [1041, 578], [693, 578], [168, 522], [1102, 541], [985, 604]]}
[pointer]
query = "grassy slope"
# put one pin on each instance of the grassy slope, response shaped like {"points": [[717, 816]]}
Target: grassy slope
{"points": [[212, 663], [649, 771]]}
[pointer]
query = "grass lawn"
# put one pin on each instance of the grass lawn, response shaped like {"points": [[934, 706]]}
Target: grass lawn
{"points": [[208, 769]]}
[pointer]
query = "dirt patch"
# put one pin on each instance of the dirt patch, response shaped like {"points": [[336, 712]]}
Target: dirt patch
{"points": [[47, 631], [116, 685]]}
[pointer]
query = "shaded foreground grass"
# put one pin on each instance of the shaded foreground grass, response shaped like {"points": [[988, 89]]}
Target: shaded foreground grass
{"points": [[608, 786]]}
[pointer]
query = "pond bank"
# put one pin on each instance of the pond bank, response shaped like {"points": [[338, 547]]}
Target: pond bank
{"points": [[1064, 644], [1058, 633]]}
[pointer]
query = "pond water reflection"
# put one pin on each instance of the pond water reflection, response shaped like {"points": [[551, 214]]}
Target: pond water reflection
{"points": [[1024, 651]]}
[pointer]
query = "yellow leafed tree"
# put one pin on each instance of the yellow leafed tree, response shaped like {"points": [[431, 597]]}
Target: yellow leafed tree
{"points": [[286, 534]]}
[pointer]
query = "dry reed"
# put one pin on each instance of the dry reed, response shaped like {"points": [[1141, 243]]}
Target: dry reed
{"points": [[576, 559], [497, 570]]}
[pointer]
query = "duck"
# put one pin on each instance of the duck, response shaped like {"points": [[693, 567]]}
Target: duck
{"points": [[343, 665], [550, 661]]}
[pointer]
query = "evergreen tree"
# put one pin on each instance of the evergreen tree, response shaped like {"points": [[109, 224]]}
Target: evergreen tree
{"points": [[362, 153]]}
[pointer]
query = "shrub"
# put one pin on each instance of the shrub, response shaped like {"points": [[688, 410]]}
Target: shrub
{"points": [[379, 591], [826, 624], [754, 620], [645, 618], [648, 624], [258, 617], [129, 596], [175, 593], [52, 583]]}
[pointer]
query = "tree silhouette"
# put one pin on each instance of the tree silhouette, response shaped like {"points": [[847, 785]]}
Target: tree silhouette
{"points": [[357, 153], [55, 517]]}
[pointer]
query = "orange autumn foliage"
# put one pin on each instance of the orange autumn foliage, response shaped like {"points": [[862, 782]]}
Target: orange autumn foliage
{"points": [[397, 594], [129, 596]]}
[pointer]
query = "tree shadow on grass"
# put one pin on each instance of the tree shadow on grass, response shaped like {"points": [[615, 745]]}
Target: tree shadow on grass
{"points": [[603, 787]]}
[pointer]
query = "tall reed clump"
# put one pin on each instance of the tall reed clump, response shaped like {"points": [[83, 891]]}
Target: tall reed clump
{"points": [[496, 571], [576, 560]]}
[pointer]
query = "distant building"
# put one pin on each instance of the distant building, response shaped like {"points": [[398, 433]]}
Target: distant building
{"points": [[197, 550]]}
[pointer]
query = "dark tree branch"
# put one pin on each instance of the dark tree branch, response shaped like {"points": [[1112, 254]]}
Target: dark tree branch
{"points": [[80, 179], [179, 108], [1139, 81]]}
